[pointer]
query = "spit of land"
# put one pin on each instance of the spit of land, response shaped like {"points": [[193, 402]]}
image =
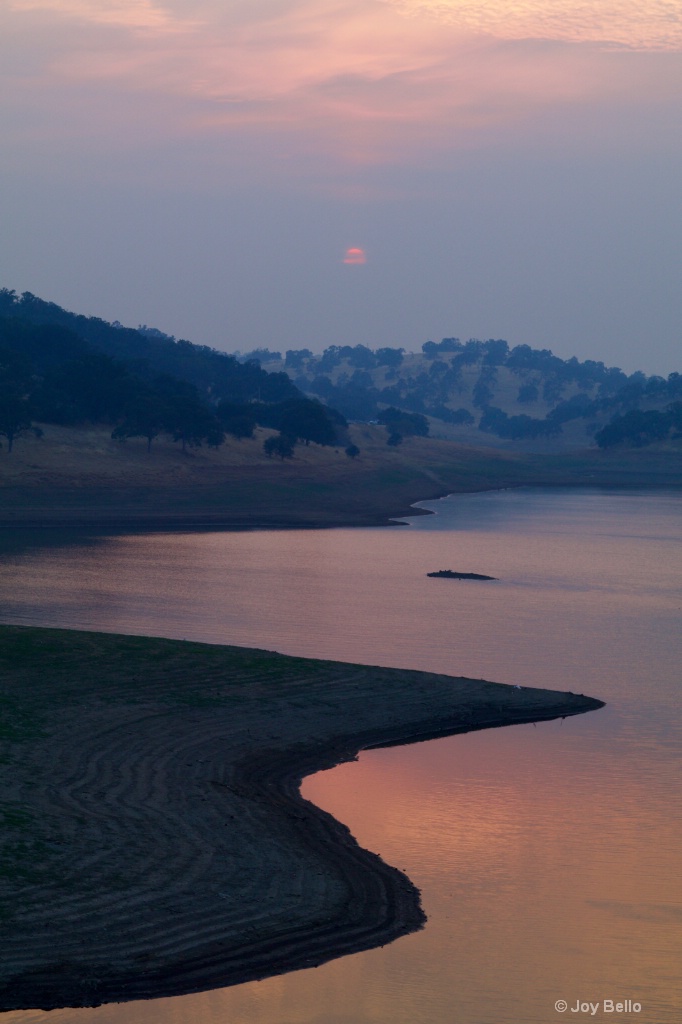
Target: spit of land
{"points": [[154, 841]]}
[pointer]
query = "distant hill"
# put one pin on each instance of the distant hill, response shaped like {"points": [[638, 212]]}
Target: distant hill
{"points": [[149, 352], [60, 367], [470, 390]]}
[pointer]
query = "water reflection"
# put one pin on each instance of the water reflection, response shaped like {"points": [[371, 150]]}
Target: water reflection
{"points": [[548, 857]]}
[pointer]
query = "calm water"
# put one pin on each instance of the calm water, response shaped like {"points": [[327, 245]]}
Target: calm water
{"points": [[548, 857]]}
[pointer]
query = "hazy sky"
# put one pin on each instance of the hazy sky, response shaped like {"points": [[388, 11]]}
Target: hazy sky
{"points": [[510, 170]]}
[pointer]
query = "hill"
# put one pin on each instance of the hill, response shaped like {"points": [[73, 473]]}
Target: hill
{"points": [[483, 392], [146, 351], [106, 436], [60, 368]]}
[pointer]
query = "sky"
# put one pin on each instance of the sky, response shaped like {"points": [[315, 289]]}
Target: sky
{"points": [[505, 169]]}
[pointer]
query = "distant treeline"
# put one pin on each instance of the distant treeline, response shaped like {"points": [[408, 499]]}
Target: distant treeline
{"points": [[61, 367], [58, 367], [641, 427], [468, 383]]}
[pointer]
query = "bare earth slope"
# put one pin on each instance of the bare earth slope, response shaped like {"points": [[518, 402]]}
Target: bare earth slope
{"points": [[154, 840], [82, 477]]}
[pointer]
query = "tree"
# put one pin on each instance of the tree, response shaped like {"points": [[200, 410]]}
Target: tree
{"points": [[472, 351], [362, 357], [497, 351], [295, 358], [389, 356], [553, 389], [493, 420], [496, 421], [674, 411], [15, 418], [279, 445], [304, 419], [192, 424], [395, 439], [352, 451], [90, 389], [575, 407], [404, 423], [528, 393], [456, 416], [262, 355], [321, 385], [482, 393], [674, 384], [636, 428], [146, 416], [237, 418], [330, 358]]}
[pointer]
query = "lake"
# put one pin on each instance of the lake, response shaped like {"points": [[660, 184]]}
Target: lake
{"points": [[548, 857]]}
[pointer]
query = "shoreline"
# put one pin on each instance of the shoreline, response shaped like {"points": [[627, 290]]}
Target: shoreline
{"points": [[124, 521], [84, 480], [173, 851]]}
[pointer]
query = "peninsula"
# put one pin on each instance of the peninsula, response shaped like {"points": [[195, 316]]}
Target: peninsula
{"points": [[154, 839]]}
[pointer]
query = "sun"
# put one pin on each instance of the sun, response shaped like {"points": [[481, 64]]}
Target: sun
{"points": [[355, 256]]}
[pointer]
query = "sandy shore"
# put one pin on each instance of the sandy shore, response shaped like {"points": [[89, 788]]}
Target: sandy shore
{"points": [[154, 839]]}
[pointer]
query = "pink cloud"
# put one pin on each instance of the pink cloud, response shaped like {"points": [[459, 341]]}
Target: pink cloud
{"points": [[131, 14], [357, 82], [650, 24]]}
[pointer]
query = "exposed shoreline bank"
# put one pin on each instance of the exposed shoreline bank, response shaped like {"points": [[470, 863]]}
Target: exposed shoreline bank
{"points": [[169, 848], [116, 519], [83, 479]]}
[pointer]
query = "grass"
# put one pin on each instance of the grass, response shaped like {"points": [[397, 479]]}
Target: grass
{"points": [[45, 670]]}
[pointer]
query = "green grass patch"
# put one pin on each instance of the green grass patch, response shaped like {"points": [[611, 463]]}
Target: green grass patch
{"points": [[47, 671]]}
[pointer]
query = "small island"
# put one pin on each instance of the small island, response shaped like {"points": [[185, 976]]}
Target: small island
{"points": [[450, 574]]}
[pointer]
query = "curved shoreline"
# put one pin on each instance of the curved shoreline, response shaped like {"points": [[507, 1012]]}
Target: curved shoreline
{"points": [[178, 853], [83, 480]]}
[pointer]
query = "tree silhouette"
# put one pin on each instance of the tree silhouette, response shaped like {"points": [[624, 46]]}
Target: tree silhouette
{"points": [[15, 417], [147, 415], [279, 445]]}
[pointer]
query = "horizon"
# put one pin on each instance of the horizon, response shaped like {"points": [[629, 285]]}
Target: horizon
{"points": [[253, 353]]}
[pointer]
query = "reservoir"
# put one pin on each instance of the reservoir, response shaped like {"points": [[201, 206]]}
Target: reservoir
{"points": [[548, 857]]}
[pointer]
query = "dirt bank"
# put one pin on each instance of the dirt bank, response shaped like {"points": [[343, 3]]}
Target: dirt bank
{"points": [[80, 477]]}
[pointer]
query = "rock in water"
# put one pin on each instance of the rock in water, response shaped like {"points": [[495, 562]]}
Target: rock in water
{"points": [[450, 574]]}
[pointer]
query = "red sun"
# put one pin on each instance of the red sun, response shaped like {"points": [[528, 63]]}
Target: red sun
{"points": [[355, 256]]}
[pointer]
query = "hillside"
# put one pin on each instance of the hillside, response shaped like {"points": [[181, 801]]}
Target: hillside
{"points": [[84, 370], [145, 351], [97, 432], [484, 392], [60, 368], [79, 476]]}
